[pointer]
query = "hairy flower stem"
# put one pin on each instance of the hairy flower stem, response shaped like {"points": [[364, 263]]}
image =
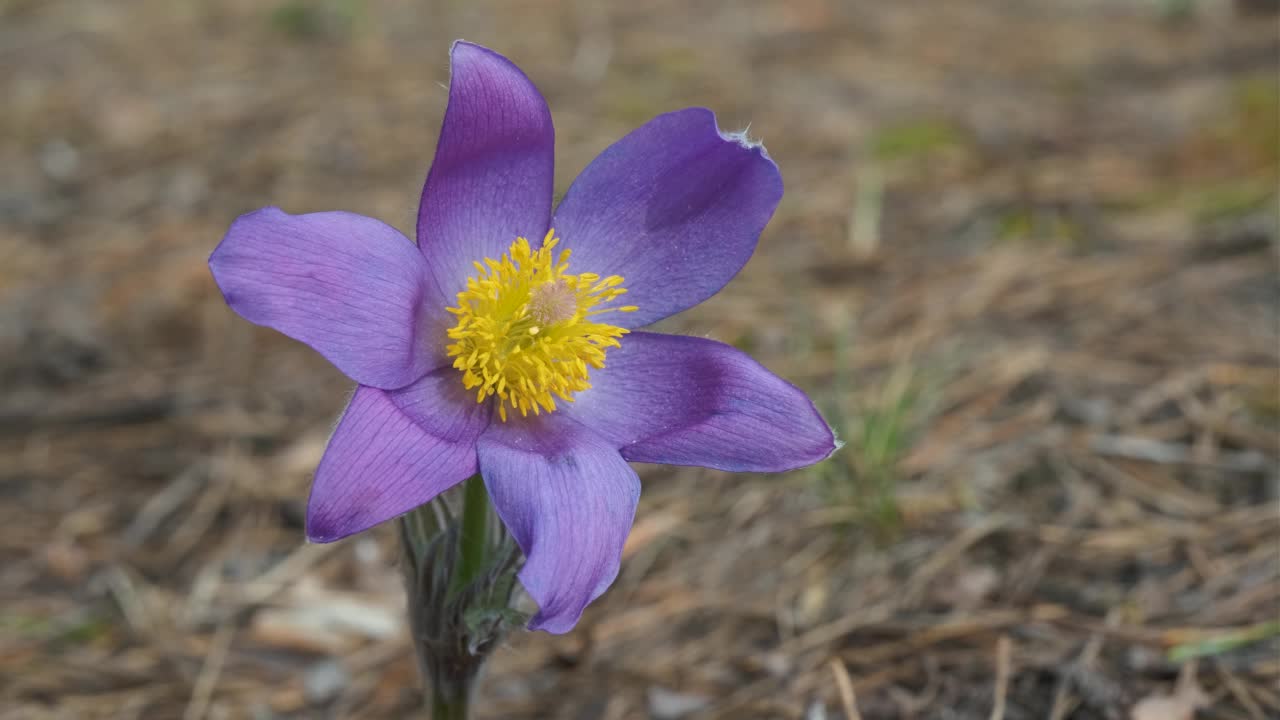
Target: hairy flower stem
{"points": [[473, 542], [451, 692], [459, 574]]}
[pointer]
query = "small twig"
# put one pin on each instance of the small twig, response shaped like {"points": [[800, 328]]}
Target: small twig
{"points": [[838, 628], [1155, 451], [845, 687], [1062, 700], [198, 522], [163, 504], [949, 554], [1004, 651], [210, 671], [266, 585], [128, 412], [132, 605], [1238, 690]]}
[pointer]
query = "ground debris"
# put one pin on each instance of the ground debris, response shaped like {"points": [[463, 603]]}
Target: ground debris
{"points": [[1025, 265]]}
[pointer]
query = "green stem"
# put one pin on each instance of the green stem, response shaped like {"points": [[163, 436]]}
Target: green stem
{"points": [[473, 537], [446, 706], [459, 568]]}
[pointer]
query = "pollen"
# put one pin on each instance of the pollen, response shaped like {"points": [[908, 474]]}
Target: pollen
{"points": [[553, 302], [527, 332]]}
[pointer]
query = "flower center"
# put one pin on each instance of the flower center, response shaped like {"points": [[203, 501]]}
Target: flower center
{"points": [[525, 331]]}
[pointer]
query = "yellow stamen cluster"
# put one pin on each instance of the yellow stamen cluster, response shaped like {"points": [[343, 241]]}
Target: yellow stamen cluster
{"points": [[525, 332]]}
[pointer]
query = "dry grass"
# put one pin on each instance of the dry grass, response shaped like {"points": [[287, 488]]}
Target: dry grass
{"points": [[1051, 226]]}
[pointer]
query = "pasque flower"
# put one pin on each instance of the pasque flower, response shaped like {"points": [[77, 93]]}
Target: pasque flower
{"points": [[507, 340]]}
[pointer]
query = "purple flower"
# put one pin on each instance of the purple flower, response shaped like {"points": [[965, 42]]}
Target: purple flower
{"points": [[506, 340]]}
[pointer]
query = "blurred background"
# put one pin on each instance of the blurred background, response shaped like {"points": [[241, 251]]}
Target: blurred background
{"points": [[1026, 263]]}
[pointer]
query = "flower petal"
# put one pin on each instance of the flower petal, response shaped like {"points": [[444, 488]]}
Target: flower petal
{"points": [[380, 464], [675, 208], [440, 405], [689, 401], [491, 180], [569, 499], [349, 286]]}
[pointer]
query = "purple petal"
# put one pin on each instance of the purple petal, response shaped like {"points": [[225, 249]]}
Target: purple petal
{"points": [[569, 499], [675, 208], [380, 464], [492, 176], [443, 407], [688, 401], [349, 286]]}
